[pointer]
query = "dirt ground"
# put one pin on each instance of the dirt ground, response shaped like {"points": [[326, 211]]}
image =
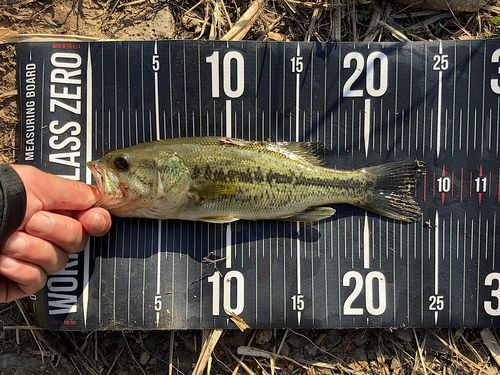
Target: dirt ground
{"points": [[372, 351]]}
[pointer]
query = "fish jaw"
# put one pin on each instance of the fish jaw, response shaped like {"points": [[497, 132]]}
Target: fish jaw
{"points": [[113, 191]]}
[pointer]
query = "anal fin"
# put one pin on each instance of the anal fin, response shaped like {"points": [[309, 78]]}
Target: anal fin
{"points": [[219, 219], [313, 214]]}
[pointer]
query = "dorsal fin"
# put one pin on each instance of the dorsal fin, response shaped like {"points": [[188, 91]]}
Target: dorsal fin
{"points": [[314, 153]]}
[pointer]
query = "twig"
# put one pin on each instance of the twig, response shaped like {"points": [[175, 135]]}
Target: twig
{"points": [[235, 371], [207, 349], [492, 344], [395, 33], [240, 362], [372, 27], [283, 341], [132, 354], [337, 22], [316, 5], [37, 335], [266, 354], [131, 3], [243, 25], [9, 36], [240, 323], [420, 352], [171, 353], [315, 16], [114, 361], [226, 14]]}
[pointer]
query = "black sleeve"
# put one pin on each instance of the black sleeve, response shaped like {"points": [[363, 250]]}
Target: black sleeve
{"points": [[12, 201]]}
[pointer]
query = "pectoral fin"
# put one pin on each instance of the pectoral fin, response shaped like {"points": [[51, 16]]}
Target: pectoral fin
{"points": [[220, 188], [314, 214]]}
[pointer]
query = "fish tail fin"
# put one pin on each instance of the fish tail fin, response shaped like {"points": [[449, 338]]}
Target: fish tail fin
{"points": [[393, 190]]}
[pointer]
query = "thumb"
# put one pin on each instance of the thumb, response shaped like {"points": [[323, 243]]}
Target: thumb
{"points": [[55, 193]]}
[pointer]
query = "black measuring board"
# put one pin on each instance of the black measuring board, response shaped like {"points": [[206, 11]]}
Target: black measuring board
{"points": [[370, 103]]}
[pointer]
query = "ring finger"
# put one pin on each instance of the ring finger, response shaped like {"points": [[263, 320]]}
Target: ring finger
{"points": [[35, 250]]}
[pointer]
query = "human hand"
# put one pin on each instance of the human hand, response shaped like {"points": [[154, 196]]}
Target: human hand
{"points": [[57, 222]]}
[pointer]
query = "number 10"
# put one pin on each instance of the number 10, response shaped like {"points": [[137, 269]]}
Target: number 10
{"points": [[213, 59]]}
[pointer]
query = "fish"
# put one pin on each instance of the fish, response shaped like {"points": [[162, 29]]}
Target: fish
{"points": [[222, 180]]}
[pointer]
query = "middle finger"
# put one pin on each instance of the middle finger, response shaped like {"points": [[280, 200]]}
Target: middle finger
{"points": [[63, 231]]}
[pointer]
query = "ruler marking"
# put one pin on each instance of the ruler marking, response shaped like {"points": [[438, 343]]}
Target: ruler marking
{"points": [[439, 103], [88, 180], [388, 127], [297, 115], [490, 130], [367, 126], [494, 241], [421, 271], [345, 239], [475, 128], [400, 242], [464, 268], [446, 129], [359, 236], [373, 120], [345, 130], [486, 240], [454, 98], [431, 129], [498, 124], [450, 308], [471, 238], [468, 107], [483, 105], [351, 232], [416, 132], [381, 128], [460, 132], [402, 129], [386, 240], [396, 101], [489, 186], [425, 103]]}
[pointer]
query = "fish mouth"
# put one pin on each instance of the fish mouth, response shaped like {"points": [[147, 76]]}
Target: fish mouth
{"points": [[98, 174], [108, 183]]}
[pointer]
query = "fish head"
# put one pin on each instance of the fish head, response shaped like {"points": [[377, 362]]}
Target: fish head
{"points": [[136, 183]]}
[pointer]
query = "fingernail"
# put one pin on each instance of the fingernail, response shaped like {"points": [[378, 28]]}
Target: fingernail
{"points": [[7, 262], [14, 245], [39, 224]]}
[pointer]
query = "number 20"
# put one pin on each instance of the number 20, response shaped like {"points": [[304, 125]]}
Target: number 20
{"points": [[370, 279], [370, 74]]}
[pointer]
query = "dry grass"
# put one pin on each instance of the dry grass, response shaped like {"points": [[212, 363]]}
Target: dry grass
{"points": [[377, 351]]}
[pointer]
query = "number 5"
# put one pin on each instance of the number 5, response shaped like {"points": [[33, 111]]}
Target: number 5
{"points": [[156, 63]]}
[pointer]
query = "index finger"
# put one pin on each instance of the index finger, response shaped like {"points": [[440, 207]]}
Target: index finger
{"points": [[56, 193]]}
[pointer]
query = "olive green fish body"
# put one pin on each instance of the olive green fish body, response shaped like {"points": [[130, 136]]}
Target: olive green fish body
{"points": [[222, 180]]}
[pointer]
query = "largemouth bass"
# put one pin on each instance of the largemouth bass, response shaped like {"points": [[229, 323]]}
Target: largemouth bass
{"points": [[220, 180]]}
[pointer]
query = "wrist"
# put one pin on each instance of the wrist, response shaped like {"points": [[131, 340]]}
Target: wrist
{"points": [[12, 201]]}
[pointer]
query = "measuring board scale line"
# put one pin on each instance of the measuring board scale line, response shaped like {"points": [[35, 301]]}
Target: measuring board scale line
{"points": [[118, 122]]}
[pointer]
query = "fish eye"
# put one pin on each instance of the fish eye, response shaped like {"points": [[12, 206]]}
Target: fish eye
{"points": [[121, 163]]}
